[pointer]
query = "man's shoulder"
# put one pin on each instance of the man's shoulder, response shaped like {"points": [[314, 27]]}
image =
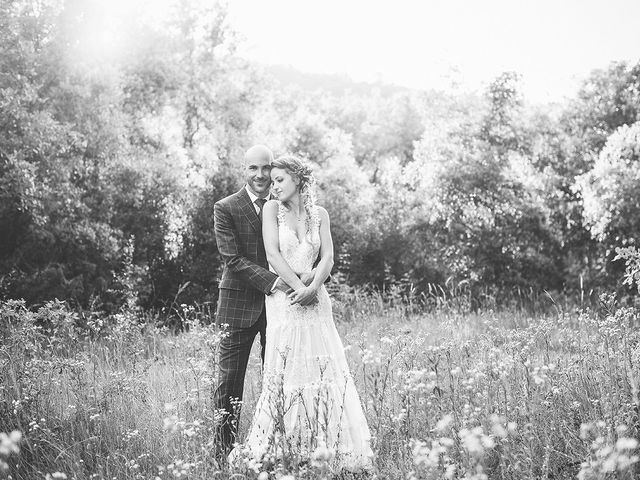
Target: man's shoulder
{"points": [[230, 199]]}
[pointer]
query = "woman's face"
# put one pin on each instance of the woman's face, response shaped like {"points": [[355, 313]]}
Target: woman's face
{"points": [[283, 184]]}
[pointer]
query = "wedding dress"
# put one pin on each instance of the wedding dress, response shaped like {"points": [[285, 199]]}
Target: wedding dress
{"points": [[308, 398]]}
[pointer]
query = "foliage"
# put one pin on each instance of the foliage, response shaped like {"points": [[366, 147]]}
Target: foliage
{"points": [[480, 218], [57, 241], [484, 395], [631, 257], [611, 190], [95, 165], [111, 161], [607, 99]]}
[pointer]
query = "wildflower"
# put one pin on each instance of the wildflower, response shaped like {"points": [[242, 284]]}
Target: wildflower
{"points": [[400, 416], [253, 463], [496, 426], [369, 357], [9, 443], [431, 457], [415, 381], [606, 458], [444, 423], [585, 430], [475, 441], [179, 468], [450, 471], [626, 443], [322, 454], [56, 476]]}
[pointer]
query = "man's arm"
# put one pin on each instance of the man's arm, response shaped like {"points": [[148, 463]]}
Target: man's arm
{"points": [[228, 242]]}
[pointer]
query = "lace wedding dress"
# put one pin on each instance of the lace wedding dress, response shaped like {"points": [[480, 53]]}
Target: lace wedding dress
{"points": [[308, 398]]}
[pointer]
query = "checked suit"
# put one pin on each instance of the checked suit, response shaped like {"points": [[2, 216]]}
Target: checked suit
{"points": [[245, 281]]}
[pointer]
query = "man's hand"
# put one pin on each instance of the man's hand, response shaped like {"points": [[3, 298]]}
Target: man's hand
{"points": [[307, 277], [283, 286], [303, 296], [311, 301]]}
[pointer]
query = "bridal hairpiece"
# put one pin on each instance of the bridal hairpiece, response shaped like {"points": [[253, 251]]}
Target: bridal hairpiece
{"points": [[303, 171], [297, 167], [307, 181]]}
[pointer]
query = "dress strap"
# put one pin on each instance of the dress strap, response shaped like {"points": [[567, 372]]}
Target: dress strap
{"points": [[281, 213], [315, 218]]}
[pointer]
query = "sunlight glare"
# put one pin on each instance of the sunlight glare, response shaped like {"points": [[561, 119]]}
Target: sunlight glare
{"points": [[104, 30]]}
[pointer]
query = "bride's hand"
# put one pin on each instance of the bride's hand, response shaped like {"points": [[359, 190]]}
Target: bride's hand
{"points": [[307, 277], [304, 296]]}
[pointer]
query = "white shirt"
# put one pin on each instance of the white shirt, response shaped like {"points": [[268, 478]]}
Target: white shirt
{"points": [[253, 198]]}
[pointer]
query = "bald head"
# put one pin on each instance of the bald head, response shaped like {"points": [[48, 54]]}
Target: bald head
{"points": [[258, 152], [257, 168]]}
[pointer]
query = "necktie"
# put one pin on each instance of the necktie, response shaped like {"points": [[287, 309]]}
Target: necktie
{"points": [[260, 203]]}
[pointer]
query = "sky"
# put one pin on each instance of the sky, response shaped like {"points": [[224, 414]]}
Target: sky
{"points": [[451, 45], [455, 45]]}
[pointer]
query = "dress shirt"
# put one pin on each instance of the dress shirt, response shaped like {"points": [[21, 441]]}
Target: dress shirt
{"points": [[253, 198]]}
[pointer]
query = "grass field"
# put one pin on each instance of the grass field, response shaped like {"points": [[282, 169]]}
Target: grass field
{"points": [[500, 395]]}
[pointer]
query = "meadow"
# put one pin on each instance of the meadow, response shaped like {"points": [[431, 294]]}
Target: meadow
{"points": [[448, 393], [109, 172]]}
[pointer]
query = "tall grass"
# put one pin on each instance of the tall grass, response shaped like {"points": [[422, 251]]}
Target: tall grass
{"points": [[503, 395]]}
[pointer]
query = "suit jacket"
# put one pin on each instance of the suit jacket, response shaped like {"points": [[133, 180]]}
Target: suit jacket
{"points": [[246, 278]]}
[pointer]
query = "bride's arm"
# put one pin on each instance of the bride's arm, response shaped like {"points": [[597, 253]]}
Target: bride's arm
{"points": [[272, 246], [323, 270]]}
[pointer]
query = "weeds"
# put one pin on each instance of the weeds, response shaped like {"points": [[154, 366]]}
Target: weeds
{"points": [[447, 394]]}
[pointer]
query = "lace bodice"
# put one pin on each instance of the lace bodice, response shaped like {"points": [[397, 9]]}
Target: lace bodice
{"points": [[300, 255]]}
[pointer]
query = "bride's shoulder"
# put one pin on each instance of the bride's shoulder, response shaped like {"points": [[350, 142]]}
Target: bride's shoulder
{"points": [[271, 204], [274, 209], [322, 213]]}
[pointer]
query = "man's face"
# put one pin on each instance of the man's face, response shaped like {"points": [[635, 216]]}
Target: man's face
{"points": [[257, 174]]}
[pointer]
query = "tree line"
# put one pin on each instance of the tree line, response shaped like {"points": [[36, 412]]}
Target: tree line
{"points": [[109, 169]]}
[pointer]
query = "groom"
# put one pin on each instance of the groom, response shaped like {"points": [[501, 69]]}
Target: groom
{"points": [[246, 279]]}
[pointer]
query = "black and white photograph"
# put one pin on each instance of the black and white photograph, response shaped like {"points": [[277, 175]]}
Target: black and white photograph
{"points": [[319, 240]]}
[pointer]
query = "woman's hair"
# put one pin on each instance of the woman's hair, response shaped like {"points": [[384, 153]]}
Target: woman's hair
{"points": [[300, 169]]}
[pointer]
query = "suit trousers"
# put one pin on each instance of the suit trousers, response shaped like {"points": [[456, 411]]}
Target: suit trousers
{"points": [[235, 349]]}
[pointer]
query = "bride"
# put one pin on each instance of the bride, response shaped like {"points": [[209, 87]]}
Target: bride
{"points": [[308, 402]]}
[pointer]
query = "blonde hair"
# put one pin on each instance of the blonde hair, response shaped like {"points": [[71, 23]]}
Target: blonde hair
{"points": [[302, 170]]}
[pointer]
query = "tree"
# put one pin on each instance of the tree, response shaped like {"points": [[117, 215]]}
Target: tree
{"points": [[607, 99], [611, 190], [500, 127], [382, 128], [101, 162], [56, 241]]}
